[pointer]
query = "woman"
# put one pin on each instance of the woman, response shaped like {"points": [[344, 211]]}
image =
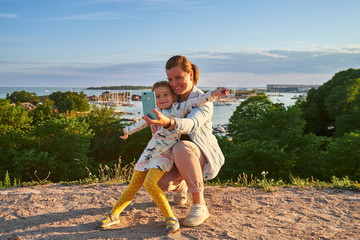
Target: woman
{"points": [[197, 156]]}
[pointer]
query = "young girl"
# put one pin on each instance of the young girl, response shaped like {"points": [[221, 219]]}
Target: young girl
{"points": [[155, 160]]}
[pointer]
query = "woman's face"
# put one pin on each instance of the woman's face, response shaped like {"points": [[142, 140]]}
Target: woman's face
{"points": [[180, 81]]}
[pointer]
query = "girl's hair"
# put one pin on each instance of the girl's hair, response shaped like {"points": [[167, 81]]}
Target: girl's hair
{"points": [[162, 84], [185, 65]]}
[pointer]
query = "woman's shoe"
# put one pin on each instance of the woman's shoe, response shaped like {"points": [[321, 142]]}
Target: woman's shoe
{"points": [[107, 221], [197, 215], [172, 225]]}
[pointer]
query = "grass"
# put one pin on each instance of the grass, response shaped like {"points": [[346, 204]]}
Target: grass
{"points": [[270, 185], [118, 174]]}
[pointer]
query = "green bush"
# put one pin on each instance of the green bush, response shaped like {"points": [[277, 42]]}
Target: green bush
{"points": [[343, 156], [52, 146], [107, 129], [13, 118], [24, 96], [70, 101]]}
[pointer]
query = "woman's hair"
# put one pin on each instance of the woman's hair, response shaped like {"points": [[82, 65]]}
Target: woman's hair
{"points": [[162, 84], [185, 65]]}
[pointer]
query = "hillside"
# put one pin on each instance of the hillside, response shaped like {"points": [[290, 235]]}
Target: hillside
{"points": [[57, 211]]}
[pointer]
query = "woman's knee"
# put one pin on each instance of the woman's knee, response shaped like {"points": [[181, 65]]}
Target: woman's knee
{"points": [[184, 149], [179, 148]]}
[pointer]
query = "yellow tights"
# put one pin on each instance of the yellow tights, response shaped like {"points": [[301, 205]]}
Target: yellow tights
{"points": [[150, 179]]}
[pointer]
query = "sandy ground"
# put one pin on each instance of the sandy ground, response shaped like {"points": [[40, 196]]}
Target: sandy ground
{"points": [[68, 212]]}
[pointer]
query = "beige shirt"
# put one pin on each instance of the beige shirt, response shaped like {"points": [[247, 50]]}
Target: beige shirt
{"points": [[198, 126]]}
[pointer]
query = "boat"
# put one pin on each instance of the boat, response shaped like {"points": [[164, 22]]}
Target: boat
{"points": [[222, 103]]}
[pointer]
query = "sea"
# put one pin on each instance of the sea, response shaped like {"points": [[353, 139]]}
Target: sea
{"points": [[220, 117]]}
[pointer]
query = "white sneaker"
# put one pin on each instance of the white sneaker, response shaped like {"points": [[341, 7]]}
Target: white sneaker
{"points": [[197, 215], [180, 196]]}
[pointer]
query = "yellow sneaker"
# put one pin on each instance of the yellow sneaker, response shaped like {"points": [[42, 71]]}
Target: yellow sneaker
{"points": [[107, 221], [172, 225]]}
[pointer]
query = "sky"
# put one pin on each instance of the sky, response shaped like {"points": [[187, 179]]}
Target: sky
{"points": [[235, 43]]}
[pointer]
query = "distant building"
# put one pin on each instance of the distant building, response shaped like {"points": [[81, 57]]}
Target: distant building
{"points": [[289, 87], [29, 106], [93, 98], [136, 97]]}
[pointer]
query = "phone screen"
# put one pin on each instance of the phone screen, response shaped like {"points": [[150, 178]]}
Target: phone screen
{"points": [[148, 102]]}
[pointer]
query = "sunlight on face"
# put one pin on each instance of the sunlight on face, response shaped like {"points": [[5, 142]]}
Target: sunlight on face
{"points": [[180, 81], [164, 97]]}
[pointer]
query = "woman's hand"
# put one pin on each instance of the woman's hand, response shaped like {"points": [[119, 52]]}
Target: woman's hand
{"points": [[161, 120]]}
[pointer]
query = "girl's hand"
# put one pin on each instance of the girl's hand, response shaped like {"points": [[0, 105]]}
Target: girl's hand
{"points": [[125, 135], [154, 128]]}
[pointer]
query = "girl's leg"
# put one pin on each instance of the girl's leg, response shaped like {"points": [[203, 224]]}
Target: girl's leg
{"points": [[150, 184], [128, 195]]}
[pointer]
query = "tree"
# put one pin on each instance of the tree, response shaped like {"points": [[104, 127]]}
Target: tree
{"points": [[52, 146], [13, 118], [107, 129], [343, 155], [333, 104], [350, 120], [246, 115], [65, 139], [265, 138], [24, 96], [43, 111], [70, 101]]}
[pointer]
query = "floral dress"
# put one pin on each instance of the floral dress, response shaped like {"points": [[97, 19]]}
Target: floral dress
{"points": [[157, 153]]}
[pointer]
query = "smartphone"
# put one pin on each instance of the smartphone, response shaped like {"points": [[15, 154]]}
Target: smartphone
{"points": [[148, 102]]}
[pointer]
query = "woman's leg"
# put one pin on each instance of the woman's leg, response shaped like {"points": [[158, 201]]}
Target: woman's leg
{"points": [[128, 195], [189, 161]]}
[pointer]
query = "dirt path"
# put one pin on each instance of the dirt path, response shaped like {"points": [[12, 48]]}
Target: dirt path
{"points": [[68, 212]]}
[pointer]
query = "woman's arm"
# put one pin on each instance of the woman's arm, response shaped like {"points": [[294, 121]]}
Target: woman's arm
{"points": [[196, 118]]}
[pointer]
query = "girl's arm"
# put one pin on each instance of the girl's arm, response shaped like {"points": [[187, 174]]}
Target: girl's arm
{"points": [[135, 127], [196, 118], [195, 102]]}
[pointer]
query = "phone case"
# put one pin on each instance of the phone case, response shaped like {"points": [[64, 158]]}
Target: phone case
{"points": [[148, 102]]}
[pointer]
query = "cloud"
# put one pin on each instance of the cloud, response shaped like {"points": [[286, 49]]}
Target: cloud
{"points": [[238, 79], [8, 15], [13, 39], [320, 59], [248, 67], [94, 17]]}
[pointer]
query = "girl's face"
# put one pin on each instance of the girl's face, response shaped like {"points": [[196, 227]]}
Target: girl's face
{"points": [[164, 97], [180, 81]]}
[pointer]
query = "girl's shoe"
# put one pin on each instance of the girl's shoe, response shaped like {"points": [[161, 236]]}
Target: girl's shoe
{"points": [[107, 221], [172, 225]]}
